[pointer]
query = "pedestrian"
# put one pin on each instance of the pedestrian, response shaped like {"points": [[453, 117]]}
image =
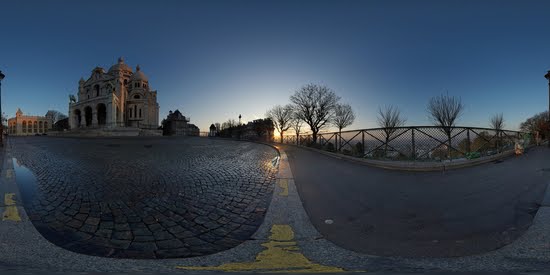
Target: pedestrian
{"points": [[518, 148]]}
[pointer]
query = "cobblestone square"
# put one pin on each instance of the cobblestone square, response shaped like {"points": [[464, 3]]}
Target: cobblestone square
{"points": [[145, 197]]}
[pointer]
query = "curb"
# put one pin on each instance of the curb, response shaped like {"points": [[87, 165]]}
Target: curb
{"points": [[412, 166]]}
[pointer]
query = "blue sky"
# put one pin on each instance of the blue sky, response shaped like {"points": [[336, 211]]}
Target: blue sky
{"points": [[214, 60]]}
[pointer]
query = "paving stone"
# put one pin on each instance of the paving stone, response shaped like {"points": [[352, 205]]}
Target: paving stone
{"points": [[162, 235], [142, 232], [105, 233], [122, 227], [92, 221], [107, 225], [169, 244], [88, 228], [143, 246], [75, 223], [196, 188], [122, 235], [144, 238]]}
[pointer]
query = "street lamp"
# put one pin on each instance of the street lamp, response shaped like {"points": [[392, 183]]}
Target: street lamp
{"points": [[547, 76], [1, 118]]}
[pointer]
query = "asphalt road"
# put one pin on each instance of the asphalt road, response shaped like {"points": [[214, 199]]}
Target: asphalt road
{"points": [[420, 214]]}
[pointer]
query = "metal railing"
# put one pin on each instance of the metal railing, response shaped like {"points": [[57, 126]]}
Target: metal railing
{"points": [[415, 143]]}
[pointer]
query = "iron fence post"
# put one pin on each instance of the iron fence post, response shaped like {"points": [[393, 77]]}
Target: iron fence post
{"points": [[363, 143], [339, 142], [413, 145], [468, 140]]}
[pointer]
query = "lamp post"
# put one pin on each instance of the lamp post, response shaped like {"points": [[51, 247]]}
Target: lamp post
{"points": [[547, 76], [1, 118]]}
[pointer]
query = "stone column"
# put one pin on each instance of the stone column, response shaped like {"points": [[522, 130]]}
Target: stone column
{"points": [[94, 118], [110, 114]]}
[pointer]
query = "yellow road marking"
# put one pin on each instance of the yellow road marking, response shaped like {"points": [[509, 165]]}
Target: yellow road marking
{"points": [[10, 213], [283, 183], [9, 173], [281, 255]]}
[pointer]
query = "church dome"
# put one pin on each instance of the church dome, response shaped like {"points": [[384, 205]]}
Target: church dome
{"points": [[139, 75], [120, 66]]}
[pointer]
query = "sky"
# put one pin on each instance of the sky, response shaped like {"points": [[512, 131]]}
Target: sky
{"points": [[214, 60]]}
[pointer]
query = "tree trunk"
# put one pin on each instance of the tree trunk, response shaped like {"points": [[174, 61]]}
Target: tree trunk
{"points": [[386, 146], [339, 140], [281, 137], [314, 137]]}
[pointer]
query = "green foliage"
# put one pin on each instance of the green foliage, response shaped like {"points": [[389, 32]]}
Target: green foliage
{"points": [[473, 155]]}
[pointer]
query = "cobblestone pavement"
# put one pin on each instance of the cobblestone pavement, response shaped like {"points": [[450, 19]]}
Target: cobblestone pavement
{"points": [[145, 197]]}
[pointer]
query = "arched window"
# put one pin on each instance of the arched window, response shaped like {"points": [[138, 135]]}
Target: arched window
{"points": [[40, 127], [140, 112], [45, 126], [136, 97], [96, 89], [35, 127], [130, 112], [135, 110], [24, 128]]}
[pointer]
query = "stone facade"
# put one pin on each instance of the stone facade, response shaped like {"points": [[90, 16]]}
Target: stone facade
{"points": [[22, 125], [117, 98], [177, 124]]}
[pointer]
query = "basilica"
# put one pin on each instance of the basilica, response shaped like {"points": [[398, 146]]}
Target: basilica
{"points": [[119, 97]]}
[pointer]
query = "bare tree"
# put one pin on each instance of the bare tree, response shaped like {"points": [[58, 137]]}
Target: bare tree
{"points": [[497, 123], [389, 119], [538, 126], [343, 116], [296, 124], [55, 116], [281, 117], [315, 105], [533, 123], [444, 110]]}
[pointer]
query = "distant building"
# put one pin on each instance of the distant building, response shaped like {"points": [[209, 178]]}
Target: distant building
{"points": [[61, 125], [22, 125], [116, 98], [177, 124], [259, 129]]}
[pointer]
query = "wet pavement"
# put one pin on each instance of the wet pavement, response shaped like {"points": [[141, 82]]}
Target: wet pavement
{"points": [[144, 197]]}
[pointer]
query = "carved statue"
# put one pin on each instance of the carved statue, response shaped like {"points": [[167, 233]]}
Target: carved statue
{"points": [[72, 99]]}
